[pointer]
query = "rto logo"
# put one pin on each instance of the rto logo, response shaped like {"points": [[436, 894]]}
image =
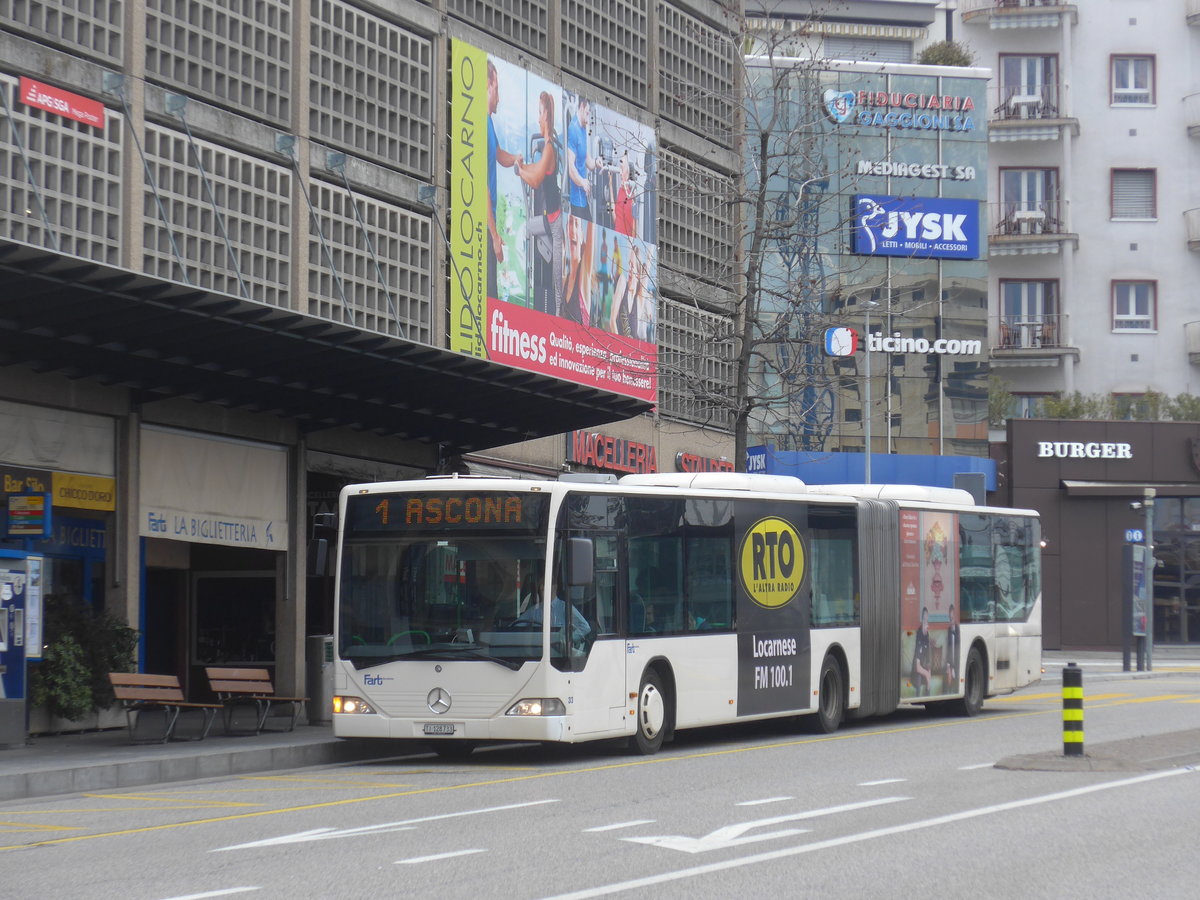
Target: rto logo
{"points": [[373, 680], [772, 562]]}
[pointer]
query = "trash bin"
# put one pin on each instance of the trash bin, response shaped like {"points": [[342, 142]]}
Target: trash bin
{"points": [[320, 677]]}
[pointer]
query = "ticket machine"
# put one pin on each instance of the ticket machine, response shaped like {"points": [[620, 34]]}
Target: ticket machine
{"points": [[20, 637]]}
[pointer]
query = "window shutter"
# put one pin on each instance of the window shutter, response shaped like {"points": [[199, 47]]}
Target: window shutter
{"points": [[1133, 194], [868, 49]]}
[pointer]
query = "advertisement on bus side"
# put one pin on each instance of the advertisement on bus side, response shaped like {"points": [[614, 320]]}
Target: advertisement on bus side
{"points": [[930, 648], [773, 642]]}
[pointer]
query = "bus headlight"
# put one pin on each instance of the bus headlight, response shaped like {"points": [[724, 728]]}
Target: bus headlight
{"points": [[537, 706], [352, 705]]}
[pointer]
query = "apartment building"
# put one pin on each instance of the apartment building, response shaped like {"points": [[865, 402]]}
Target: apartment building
{"points": [[1093, 226], [1094, 235]]}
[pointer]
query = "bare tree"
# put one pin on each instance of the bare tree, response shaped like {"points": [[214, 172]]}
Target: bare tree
{"points": [[759, 367]]}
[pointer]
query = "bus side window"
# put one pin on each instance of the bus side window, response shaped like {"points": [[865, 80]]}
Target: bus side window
{"points": [[709, 583], [605, 613]]}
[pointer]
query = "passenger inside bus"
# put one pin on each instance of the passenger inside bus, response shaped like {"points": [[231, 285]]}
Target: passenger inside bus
{"points": [[532, 616]]}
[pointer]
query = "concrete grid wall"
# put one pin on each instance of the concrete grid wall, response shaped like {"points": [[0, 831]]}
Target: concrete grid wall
{"points": [[327, 102]]}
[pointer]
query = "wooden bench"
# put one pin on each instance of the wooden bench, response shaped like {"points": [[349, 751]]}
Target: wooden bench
{"points": [[145, 697], [251, 687]]}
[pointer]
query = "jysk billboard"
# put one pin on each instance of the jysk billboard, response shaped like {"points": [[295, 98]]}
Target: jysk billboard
{"points": [[552, 271], [924, 227]]}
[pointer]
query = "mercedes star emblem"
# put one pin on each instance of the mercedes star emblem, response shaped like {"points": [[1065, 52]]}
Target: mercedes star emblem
{"points": [[439, 701]]}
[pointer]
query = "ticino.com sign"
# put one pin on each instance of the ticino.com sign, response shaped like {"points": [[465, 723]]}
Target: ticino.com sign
{"points": [[842, 341]]}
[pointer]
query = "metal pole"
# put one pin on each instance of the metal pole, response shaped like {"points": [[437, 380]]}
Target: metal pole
{"points": [[867, 393], [1072, 708], [1148, 507]]}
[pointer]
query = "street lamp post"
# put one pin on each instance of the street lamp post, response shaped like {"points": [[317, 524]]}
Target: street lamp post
{"points": [[1148, 495], [867, 389]]}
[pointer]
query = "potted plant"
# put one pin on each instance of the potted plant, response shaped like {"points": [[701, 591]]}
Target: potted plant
{"points": [[82, 646]]}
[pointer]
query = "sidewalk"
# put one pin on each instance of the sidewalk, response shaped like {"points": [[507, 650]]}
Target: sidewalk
{"points": [[103, 760], [1109, 662], [68, 763]]}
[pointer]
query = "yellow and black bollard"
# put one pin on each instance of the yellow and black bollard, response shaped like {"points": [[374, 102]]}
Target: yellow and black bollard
{"points": [[1072, 680]]}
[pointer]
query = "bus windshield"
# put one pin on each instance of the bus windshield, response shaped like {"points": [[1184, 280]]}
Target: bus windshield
{"points": [[422, 578]]}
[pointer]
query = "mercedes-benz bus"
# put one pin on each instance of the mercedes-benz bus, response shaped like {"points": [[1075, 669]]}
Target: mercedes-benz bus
{"points": [[591, 608]]}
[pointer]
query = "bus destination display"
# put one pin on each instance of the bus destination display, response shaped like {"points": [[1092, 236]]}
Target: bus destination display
{"points": [[423, 512]]}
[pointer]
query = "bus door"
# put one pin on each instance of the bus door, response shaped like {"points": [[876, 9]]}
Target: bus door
{"points": [[597, 690]]}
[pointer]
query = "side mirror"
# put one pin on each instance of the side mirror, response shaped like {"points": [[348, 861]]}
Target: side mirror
{"points": [[324, 534], [581, 561]]}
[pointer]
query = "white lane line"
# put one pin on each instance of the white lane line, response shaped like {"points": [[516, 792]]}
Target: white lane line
{"points": [[761, 802], [224, 893], [772, 855], [437, 856], [617, 825], [881, 781], [324, 834], [977, 766]]}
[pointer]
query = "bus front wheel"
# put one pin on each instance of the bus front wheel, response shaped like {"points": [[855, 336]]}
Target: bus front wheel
{"points": [[653, 708], [831, 699], [974, 685]]}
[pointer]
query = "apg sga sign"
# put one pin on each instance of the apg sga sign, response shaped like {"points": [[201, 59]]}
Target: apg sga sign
{"points": [[924, 227]]}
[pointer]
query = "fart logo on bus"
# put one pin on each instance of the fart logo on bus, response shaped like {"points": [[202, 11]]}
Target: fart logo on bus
{"points": [[772, 562]]}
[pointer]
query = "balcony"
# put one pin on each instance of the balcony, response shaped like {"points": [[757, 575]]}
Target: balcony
{"points": [[1036, 340], [1191, 338], [1192, 341], [1191, 225], [1028, 113], [1027, 228], [1018, 13], [1191, 113]]}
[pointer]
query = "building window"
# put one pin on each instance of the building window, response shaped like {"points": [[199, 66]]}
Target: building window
{"points": [[1133, 194], [1134, 306], [1027, 406], [1132, 79], [1028, 201], [868, 49], [1029, 315], [1131, 407], [1028, 87]]}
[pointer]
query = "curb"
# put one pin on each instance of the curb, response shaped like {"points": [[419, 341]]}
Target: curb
{"points": [[187, 767], [1150, 753]]}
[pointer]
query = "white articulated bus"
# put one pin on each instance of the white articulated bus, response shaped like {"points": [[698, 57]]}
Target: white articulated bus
{"points": [[675, 601]]}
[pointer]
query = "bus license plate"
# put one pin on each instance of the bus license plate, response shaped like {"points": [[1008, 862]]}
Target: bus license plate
{"points": [[439, 728]]}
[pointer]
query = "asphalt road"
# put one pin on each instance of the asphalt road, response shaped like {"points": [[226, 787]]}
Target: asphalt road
{"points": [[912, 805]]}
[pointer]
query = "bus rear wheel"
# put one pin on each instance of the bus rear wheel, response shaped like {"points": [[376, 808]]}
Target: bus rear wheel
{"points": [[653, 709], [831, 699], [973, 686]]}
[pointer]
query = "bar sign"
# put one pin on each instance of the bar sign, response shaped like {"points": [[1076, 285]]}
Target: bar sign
{"points": [[62, 103]]}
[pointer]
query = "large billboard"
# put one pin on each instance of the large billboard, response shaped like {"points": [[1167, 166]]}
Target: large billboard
{"points": [[925, 227], [554, 266]]}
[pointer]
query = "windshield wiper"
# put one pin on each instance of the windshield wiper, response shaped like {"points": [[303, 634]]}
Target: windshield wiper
{"points": [[451, 652]]}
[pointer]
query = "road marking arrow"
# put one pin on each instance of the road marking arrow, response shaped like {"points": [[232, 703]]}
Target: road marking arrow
{"points": [[735, 835]]}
